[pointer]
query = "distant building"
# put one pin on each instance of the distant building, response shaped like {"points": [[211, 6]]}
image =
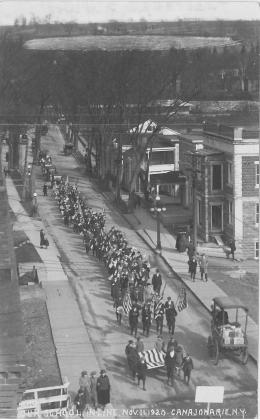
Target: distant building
{"points": [[226, 160]]}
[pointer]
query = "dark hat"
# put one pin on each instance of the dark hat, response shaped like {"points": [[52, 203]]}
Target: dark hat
{"points": [[102, 371], [169, 297], [84, 372]]}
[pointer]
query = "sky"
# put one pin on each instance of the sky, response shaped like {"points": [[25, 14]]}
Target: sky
{"points": [[83, 11]]}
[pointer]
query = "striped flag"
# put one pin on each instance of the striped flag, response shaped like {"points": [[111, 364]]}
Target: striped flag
{"points": [[182, 300], [154, 358], [157, 306], [127, 303]]}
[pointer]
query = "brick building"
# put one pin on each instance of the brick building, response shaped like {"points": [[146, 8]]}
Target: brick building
{"points": [[226, 162]]}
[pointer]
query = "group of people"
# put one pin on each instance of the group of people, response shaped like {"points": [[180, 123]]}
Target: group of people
{"points": [[196, 260], [176, 360], [93, 391]]}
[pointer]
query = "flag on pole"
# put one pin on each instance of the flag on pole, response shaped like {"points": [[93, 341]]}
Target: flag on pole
{"points": [[182, 300], [127, 303], [158, 306]]}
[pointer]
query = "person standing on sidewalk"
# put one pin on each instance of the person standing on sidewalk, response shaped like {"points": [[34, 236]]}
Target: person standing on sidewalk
{"points": [[45, 190], [103, 389], [93, 389], [192, 268], [232, 248], [203, 267], [42, 238]]}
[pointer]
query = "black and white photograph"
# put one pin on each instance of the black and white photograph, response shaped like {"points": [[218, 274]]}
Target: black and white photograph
{"points": [[129, 209]]}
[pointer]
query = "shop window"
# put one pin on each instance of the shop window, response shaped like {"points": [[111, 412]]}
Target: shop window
{"points": [[257, 250]]}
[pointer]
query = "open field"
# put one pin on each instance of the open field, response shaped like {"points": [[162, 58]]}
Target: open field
{"points": [[127, 42]]}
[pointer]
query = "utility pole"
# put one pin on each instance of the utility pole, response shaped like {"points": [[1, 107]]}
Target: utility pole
{"points": [[25, 178]]}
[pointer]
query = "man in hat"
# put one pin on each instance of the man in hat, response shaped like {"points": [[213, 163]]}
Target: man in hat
{"points": [[187, 366], [133, 319], [159, 317], [157, 282], [146, 319], [132, 359], [171, 314], [103, 389]]}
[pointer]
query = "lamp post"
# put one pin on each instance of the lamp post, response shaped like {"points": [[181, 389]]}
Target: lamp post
{"points": [[157, 210]]}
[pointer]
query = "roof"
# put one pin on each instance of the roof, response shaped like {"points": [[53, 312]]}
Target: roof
{"points": [[227, 302], [126, 42]]}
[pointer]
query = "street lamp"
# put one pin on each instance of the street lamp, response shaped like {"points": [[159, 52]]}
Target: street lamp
{"points": [[157, 210]]}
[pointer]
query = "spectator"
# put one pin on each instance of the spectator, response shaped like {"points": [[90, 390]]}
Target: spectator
{"points": [[84, 383], [232, 248], [192, 268], [80, 402], [103, 389], [203, 267], [142, 371], [93, 389]]}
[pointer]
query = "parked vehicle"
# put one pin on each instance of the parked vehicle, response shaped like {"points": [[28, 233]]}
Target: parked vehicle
{"points": [[227, 336]]}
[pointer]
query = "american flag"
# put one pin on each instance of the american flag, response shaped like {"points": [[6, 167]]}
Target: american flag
{"points": [[182, 300], [127, 303], [157, 306]]}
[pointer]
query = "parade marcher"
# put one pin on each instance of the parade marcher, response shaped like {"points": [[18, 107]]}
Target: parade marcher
{"points": [[170, 313], [157, 282], [193, 267], [103, 389], [139, 345], [93, 389], [159, 317], [172, 344], [80, 402], [119, 310], [203, 267], [142, 371], [170, 366], [133, 319], [146, 319], [187, 366], [45, 190], [128, 347], [159, 344], [133, 359], [179, 354]]}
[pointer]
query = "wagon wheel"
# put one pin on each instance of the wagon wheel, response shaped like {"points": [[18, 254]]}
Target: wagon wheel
{"points": [[210, 346], [244, 355], [216, 351]]}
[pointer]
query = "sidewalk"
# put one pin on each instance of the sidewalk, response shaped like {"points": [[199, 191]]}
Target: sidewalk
{"points": [[145, 226], [73, 346]]}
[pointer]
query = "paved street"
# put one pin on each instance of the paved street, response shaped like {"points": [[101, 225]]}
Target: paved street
{"points": [[107, 340]]}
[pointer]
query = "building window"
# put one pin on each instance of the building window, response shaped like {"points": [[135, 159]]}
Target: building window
{"points": [[230, 212], [230, 173], [199, 208], [216, 178], [257, 174], [257, 213], [257, 249]]}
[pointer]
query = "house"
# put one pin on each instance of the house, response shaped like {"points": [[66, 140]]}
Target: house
{"points": [[160, 167], [226, 162]]}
